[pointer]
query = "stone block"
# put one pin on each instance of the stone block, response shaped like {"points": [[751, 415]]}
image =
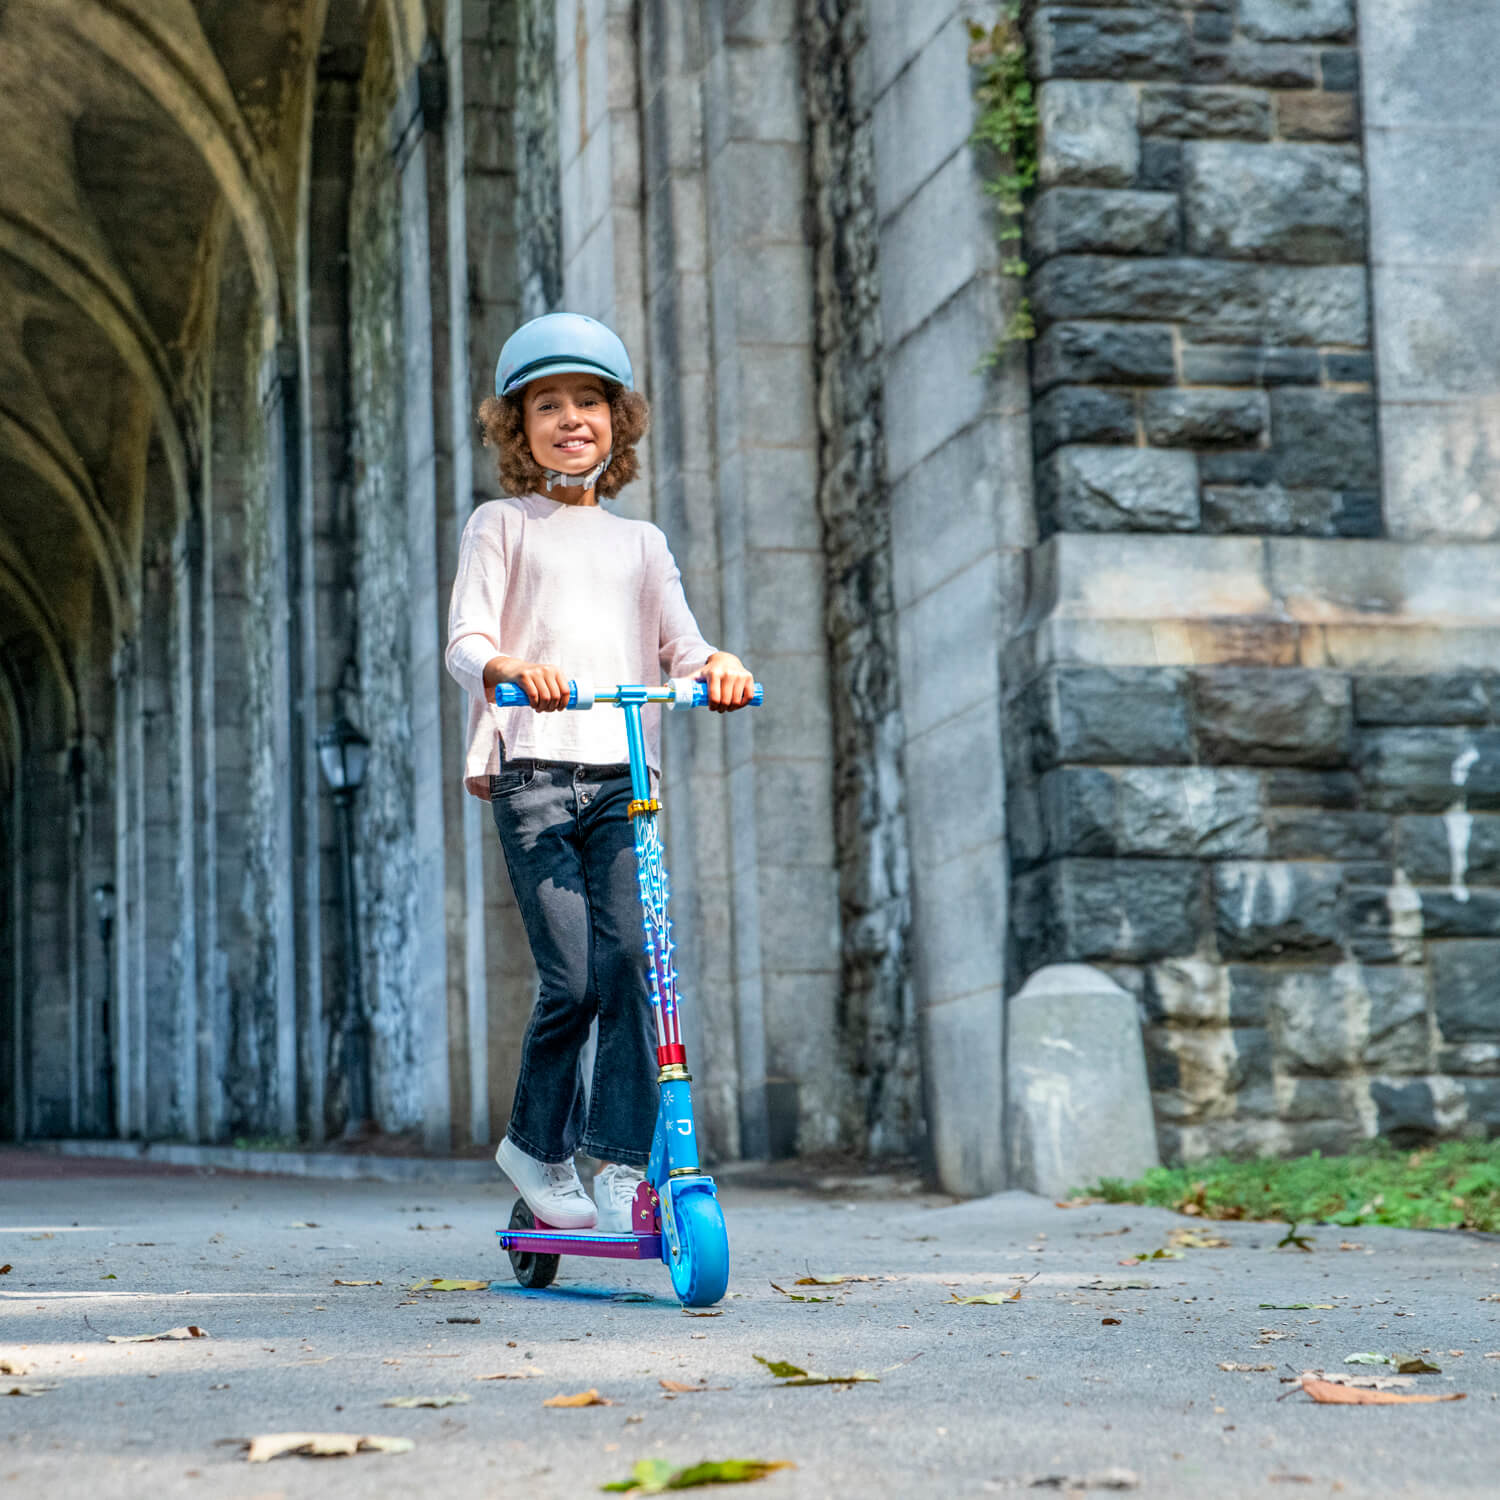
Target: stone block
{"points": [[1087, 488], [1121, 910], [1340, 69], [1321, 1100], [1349, 369], [1161, 167], [1437, 455], [1125, 43], [1195, 811], [1460, 912], [1439, 323], [1303, 204], [1459, 849], [1205, 418], [1102, 716], [1078, 1107], [924, 90], [1399, 1036], [1166, 290], [1463, 989], [947, 652], [1086, 134], [939, 239], [1274, 67], [1232, 113], [1186, 992], [1078, 808], [963, 1076], [959, 924], [1282, 512], [1409, 1113], [1445, 698], [898, 31], [1103, 354], [765, 93], [1199, 1073], [1249, 364], [1316, 304], [1318, 1019], [1477, 1059], [1325, 438], [1420, 770], [1315, 115], [1272, 716], [1236, 466], [1297, 20], [1482, 1107], [1080, 414], [1266, 909], [1251, 988], [1300, 833], [1065, 220]]}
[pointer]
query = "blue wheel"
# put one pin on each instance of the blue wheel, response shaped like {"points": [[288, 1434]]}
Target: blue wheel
{"points": [[701, 1273]]}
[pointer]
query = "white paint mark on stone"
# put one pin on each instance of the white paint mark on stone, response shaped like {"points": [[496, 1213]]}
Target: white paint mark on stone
{"points": [[1276, 881], [1059, 1041], [1459, 826], [1051, 1095], [1405, 907]]}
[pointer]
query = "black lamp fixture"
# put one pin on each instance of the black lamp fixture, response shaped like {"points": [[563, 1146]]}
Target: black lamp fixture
{"points": [[103, 897], [343, 752]]}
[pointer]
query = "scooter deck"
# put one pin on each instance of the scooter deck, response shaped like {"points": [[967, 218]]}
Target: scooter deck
{"points": [[543, 1241]]}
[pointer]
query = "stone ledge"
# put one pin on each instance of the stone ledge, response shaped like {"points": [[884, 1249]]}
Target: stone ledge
{"points": [[336, 1166]]}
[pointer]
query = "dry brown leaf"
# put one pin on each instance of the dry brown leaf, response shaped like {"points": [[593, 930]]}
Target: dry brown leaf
{"points": [[681, 1388], [1196, 1239], [1229, 1364], [6, 1269], [447, 1284], [583, 1398], [13, 1367], [1332, 1393], [27, 1387], [271, 1445], [413, 1401], [1368, 1382], [510, 1375], [337, 1282], [830, 1280], [191, 1331]]}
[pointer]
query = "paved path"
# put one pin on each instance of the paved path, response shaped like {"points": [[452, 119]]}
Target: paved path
{"points": [[972, 1400]]}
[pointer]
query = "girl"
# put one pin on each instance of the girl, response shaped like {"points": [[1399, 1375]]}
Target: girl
{"points": [[550, 586]]}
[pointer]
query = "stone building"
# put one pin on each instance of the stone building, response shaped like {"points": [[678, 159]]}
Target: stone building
{"points": [[1165, 643]]}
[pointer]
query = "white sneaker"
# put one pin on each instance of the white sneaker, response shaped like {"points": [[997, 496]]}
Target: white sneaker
{"points": [[614, 1192], [551, 1189]]}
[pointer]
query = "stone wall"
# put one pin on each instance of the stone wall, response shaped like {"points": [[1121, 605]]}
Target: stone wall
{"points": [[1247, 782]]}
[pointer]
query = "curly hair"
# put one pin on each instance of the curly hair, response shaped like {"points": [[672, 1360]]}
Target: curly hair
{"points": [[503, 422]]}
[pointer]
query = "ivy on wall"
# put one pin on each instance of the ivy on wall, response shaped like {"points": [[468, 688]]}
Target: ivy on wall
{"points": [[1006, 126]]}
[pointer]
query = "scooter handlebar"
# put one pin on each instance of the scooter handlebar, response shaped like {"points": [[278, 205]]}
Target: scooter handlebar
{"points": [[682, 692]]}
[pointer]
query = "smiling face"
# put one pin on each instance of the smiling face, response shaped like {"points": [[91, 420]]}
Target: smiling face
{"points": [[568, 426]]}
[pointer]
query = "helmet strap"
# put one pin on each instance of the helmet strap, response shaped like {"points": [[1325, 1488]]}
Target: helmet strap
{"points": [[577, 481]]}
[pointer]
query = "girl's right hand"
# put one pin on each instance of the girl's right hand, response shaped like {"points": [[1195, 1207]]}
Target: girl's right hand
{"points": [[542, 683]]}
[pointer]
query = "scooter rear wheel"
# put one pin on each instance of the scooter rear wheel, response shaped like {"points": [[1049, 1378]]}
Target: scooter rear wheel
{"points": [[531, 1270], [700, 1275]]}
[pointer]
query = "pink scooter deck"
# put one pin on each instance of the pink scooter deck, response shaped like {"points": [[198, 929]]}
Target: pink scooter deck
{"points": [[642, 1244]]}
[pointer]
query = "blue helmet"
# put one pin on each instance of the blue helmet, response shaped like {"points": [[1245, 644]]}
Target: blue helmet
{"points": [[558, 343]]}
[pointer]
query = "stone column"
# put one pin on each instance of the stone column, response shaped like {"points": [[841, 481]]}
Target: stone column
{"points": [[439, 966], [958, 465]]}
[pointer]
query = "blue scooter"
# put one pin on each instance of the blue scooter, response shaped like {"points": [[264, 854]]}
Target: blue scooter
{"points": [[676, 1217]]}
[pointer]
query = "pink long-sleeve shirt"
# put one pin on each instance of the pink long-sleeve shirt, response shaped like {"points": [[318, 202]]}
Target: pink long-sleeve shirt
{"points": [[582, 589]]}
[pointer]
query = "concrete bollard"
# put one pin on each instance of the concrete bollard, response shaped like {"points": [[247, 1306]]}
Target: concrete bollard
{"points": [[1077, 1103]]}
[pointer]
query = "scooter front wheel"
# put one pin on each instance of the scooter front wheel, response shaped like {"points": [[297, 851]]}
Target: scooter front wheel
{"points": [[531, 1270], [700, 1272]]}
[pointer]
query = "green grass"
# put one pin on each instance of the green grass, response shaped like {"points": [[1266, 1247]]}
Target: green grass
{"points": [[1452, 1186]]}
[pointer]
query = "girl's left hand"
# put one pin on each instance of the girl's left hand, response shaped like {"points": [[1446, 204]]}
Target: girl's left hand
{"points": [[729, 683]]}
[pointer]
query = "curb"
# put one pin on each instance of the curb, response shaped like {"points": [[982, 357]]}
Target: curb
{"points": [[331, 1165]]}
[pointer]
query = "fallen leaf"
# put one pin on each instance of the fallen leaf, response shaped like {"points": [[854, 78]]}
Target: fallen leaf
{"points": [[1491, 1297], [337, 1282], [1115, 1322], [510, 1375], [651, 1476], [411, 1401], [1413, 1364], [1331, 1393], [1162, 1254], [26, 1387], [1298, 1306], [795, 1375], [796, 1296], [583, 1398], [301, 1224], [830, 1280], [1196, 1239], [681, 1388], [5, 1269], [1105, 1479], [321, 1445], [1076, 1202], [1350, 1245], [191, 1331], [1370, 1382], [446, 1284], [432, 1226], [1367, 1359], [13, 1367], [993, 1299], [718, 1312], [1230, 1364]]}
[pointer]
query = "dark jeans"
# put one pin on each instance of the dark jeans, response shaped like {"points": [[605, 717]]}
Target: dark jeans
{"points": [[571, 854]]}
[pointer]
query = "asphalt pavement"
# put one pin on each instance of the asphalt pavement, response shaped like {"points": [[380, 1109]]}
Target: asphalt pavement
{"points": [[1099, 1374]]}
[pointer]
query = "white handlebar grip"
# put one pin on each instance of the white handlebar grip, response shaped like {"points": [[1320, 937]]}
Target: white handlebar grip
{"points": [[682, 692], [583, 691]]}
